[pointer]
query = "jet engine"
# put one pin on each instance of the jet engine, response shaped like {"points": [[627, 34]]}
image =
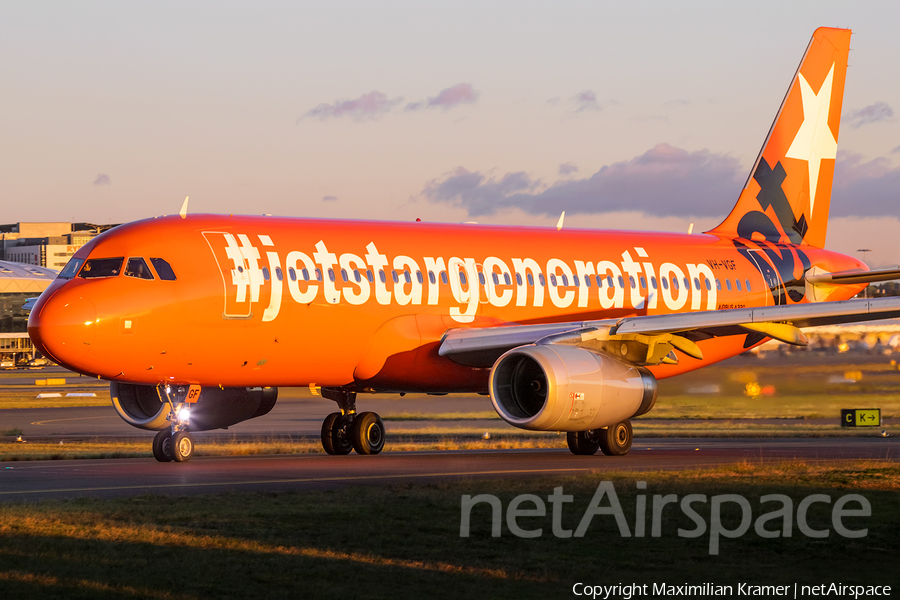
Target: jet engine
{"points": [[556, 387], [217, 408]]}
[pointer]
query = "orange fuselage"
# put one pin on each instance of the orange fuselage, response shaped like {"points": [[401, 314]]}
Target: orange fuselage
{"points": [[241, 311]]}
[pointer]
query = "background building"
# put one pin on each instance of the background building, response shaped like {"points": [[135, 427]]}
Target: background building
{"points": [[48, 245], [18, 283]]}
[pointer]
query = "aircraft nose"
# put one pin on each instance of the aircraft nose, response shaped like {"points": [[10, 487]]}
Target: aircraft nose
{"points": [[63, 327]]}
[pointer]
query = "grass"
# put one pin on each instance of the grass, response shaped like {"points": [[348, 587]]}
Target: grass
{"points": [[403, 541]]}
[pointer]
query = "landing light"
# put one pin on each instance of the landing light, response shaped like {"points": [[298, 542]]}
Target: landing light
{"points": [[184, 414], [88, 322]]}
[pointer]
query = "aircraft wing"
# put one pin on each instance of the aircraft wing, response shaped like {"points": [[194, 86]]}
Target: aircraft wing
{"points": [[482, 346]]}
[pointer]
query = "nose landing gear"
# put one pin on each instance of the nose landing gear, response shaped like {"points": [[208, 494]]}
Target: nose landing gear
{"points": [[176, 443], [348, 430]]}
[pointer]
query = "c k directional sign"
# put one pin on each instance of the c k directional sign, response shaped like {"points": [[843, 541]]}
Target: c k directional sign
{"points": [[860, 417]]}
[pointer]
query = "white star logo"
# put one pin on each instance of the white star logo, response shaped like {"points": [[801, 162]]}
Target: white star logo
{"points": [[814, 140]]}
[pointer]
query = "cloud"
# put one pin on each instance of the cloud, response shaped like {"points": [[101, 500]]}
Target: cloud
{"points": [[368, 106], [676, 103], [567, 169], [461, 93], [865, 188], [896, 150], [664, 181], [880, 111], [102, 179], [586, 100], [329, 198]]}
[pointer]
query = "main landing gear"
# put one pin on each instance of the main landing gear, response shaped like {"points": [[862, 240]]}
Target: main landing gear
{"points": [[614, 440], [348, 430], [175, 443]]}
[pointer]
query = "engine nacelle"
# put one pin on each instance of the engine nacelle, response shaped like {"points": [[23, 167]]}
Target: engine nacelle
{"points": [[556, 387], [141, 406]]}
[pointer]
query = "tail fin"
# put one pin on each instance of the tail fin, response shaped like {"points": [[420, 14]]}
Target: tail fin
{"points": [[787, 196]]}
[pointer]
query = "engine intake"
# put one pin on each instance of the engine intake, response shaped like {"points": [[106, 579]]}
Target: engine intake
{"points": [[141, 406], [557, 387]]}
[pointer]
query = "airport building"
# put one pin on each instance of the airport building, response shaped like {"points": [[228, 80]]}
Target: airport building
{"points": [[18, 283], [48, 245]]}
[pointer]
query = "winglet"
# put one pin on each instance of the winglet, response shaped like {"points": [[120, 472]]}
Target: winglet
{"points": [[562, 218], [183, 211]]}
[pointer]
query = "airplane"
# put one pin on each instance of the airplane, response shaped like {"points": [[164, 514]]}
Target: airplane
{"points": [[197, 319]]}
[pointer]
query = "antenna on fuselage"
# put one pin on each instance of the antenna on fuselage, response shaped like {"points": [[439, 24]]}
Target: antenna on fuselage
{"points": [[690, 229], [183, 211], [562, 218]]}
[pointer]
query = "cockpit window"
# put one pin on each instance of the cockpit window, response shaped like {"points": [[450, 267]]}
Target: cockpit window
{"points": [[101, 267], [71, 268], [163, 269], [137, 267]]}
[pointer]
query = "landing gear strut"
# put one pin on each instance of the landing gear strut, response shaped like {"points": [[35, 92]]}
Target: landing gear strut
{"points": [[348, 430], [175, 443], [614, 440]]}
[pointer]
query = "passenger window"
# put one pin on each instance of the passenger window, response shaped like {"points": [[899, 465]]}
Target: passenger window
{"points": [[381, 276], [163, 269], [357, 276], [718, 285], [541, 279], [708, 285], [394, 275], [265, 271], [431, 277], [728, 284], [481, 277], [665, 283], [495, 278], [101, 267], [71, 268], [643, 283], [553, 279], [631, 281], [747, 283], [621, 282], [305, 274], [587, 281], [565, 281], [530, 279], [137, 267], [318, 274], [462, 277], [278, 274], [653, 282], [407, 277], [344, 277], [508, 280], [292, 274], [687, 283], [737, 284], [609, 281], [444, 277], [675, 283], [696, 283], [599, 281], [370, 276]]}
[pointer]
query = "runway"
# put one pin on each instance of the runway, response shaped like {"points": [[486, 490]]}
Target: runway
{"points": [[128, 477]]}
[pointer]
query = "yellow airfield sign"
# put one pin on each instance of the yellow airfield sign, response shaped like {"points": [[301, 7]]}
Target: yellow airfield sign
{"points": [[860, 417]]}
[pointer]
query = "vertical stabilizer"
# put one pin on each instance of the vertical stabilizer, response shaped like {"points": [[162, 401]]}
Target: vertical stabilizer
{"points": [[787, 196]]}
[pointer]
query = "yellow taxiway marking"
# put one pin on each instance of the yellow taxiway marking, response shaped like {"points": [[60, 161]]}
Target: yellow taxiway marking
{"points": [[298, 480], [72, 419]]}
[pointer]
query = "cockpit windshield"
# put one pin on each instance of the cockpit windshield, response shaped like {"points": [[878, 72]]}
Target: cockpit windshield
{"points": [[71, 268], [163, 269], [101, 267], [137, 267]]}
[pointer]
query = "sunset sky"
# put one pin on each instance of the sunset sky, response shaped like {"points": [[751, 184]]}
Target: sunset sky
{"points": [[114, 111]]}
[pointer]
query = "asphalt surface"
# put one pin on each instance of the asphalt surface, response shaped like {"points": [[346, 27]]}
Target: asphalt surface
{"points": [[127, 477]]}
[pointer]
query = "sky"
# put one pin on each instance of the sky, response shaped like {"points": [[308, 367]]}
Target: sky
{"points": [[444, 111]]}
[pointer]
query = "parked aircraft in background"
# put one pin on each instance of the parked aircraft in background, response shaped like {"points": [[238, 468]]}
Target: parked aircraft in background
{"points": [[196, 319]]}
